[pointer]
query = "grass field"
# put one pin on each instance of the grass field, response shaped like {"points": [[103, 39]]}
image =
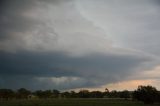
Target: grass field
{"points": [[73, 102]]}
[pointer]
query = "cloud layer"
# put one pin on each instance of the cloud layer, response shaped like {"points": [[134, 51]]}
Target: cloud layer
{"points": [[129, 23], [59, 45]]}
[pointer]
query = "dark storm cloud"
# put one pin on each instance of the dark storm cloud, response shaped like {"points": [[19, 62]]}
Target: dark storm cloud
{"points": [[75, 58], [91, 68], [34, 64], [12, 18], [58, 64]]}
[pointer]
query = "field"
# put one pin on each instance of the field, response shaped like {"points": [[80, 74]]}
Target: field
{"points": [[73, 102]]}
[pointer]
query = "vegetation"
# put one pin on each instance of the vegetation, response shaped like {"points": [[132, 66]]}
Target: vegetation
{"points": [[144, 94], [73, 102], [147, 94]]}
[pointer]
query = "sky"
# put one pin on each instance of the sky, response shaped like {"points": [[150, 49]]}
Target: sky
{"points": [[79, 44]]}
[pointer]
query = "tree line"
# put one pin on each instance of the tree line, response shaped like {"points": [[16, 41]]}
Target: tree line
{"points": [[146, 94]]}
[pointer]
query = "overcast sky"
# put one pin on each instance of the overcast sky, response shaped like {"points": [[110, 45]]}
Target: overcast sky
{"points": [[75, 44]]}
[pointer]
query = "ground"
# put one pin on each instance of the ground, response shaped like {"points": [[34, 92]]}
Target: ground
{"points": [[73, 102]]}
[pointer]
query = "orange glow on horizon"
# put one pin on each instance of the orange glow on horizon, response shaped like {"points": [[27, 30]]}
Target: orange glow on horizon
{"points": [[124, 85]]}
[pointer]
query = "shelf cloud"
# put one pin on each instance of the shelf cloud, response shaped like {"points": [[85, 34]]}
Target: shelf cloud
{"points": [[70, 44]]}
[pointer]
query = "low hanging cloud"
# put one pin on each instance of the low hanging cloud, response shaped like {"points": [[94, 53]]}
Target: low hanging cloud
{"points": [[50, 44], [47, 68]]}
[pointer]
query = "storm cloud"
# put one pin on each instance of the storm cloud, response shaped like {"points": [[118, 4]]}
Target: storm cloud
{"points": [[93, 69], [55, 44]]}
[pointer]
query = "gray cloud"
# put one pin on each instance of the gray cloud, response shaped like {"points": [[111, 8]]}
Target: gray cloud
{"points": [[126, 22], [93, 69], [12, 18], [53, 43], [53, 26]]}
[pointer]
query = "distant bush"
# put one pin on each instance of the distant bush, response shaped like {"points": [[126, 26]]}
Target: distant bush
{"points": [[147, 94], [6, 94]]}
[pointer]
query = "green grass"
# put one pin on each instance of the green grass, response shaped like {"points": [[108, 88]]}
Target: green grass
{"points": [[72, 102]]}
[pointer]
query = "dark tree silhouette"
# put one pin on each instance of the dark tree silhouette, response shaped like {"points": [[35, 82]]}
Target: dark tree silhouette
{"points": [[147, 94], [73, 94], [39, 93], [84, 94], [113, 94], [65, 94], [125, 94], [96, 94], [23, 93], [6, 94], [55, 93]]}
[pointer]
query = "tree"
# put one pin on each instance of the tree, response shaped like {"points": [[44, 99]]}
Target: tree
{"points": [[158, 97], [106, 90], [147, 94], [6, 94], [73, 94], [84, 94], [23, 93], [113, 94], [65, 94], [55, 93], [96, 94], [106, 93], [125, 94], [47, 94], [39, 93], [44, 94]]}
